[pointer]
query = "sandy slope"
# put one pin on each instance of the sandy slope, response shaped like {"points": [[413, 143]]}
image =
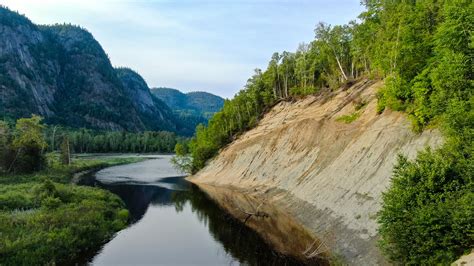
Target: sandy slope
{"points": [[328, 174]]}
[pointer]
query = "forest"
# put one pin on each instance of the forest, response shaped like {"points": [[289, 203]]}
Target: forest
{"points": [[90, 141], [25, 143], [424, 52]]}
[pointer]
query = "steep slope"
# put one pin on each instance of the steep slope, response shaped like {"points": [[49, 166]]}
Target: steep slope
{"points": [[307, 158], [62, 73], [89, 93], [154, 113], [23, 50]]}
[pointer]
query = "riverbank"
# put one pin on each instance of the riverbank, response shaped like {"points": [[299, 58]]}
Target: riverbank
{"points": [[45, 219], [326, 172]]}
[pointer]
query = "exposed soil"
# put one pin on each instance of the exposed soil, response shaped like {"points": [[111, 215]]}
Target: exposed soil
{"points": [[328, 173]]}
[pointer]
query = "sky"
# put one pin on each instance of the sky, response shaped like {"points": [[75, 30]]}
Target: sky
{"points": [[200, 45]]}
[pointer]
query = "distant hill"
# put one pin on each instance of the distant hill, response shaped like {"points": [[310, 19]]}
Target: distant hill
{"points": [[199, 103], [191, 108], [62, 73]]}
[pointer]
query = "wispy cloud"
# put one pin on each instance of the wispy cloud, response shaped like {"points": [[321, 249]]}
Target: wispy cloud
{"points": [[211, 45]]}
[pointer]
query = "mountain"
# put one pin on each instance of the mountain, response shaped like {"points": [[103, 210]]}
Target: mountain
{"points": [[199, 103], [154, 113], [192, 108], [62, 73]]}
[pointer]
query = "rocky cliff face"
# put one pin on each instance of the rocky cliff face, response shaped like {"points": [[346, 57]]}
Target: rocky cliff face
{"points": [[62, 73], [22, 53], [153, 112], [309, 158]]}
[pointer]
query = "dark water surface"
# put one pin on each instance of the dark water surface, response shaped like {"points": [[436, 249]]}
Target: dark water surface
{"points": [[175, 223]]}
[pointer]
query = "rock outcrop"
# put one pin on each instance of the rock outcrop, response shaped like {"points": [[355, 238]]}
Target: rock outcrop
{"points": [[62, 73], [326, 160]]}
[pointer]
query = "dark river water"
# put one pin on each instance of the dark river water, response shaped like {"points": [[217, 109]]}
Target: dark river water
{"points": [[174, 223]]}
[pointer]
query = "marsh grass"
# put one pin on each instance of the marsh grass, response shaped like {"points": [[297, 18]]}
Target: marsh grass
{"points": [[46, 220]]}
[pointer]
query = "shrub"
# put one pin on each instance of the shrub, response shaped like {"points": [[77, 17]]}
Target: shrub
{"points": [[394, 95], [59, 226], [28, 144], [348, 118], [427, 215]]}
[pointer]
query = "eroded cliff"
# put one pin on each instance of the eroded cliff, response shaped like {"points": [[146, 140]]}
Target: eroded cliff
{"points": [[326, 160]]}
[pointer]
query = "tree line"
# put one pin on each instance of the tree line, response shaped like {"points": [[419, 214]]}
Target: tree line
{"points": [[424, 52], [24, 143], [90, 141]]}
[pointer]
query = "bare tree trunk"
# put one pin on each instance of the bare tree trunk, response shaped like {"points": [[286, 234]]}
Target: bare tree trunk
{"points": [[340, 66], [352, 69], [365, 65]]}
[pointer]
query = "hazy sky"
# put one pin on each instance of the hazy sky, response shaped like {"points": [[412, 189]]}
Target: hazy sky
{"points": [[209, 45]]}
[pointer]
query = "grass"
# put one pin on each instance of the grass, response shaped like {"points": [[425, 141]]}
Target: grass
{"points": [[46, 220], [348, 118], [63, 174]]}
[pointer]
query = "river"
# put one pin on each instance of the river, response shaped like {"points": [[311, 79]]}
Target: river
{"points": [[174, 223]]}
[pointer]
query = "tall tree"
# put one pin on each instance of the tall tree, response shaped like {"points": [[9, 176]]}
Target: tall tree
{"points": [[29, 144]]}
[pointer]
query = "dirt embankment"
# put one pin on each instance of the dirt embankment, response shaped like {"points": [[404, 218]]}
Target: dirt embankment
{"points": [[328, 173]]}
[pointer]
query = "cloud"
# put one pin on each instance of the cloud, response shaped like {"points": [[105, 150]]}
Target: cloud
{"points": [[209, 45]]}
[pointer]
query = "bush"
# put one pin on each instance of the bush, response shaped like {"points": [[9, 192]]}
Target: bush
{"points": [[427, 215], [28, 145], [53, 227], [348, 118], [394, 95]]}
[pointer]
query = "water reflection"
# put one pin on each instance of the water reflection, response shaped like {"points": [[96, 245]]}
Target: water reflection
{"points": [[234, 243], [175, 223], [138, 198]]}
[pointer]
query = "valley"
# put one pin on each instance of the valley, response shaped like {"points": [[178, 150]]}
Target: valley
{"points": [[355, 148]]}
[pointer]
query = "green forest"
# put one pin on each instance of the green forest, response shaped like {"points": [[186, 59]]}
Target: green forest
{"points": [[90, 141], [26, 143], [424, 52]]}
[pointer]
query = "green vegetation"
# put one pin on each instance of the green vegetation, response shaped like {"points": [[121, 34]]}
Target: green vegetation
{"points": [[348, 118], [23, 147], [182, 160], [49, 223], [87, 141], [44, 219], [427, 214], [199, 103], [24, 144], [424, 51]]}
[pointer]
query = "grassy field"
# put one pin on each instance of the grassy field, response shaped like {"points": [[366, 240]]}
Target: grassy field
{"points": [[44, 219]]}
